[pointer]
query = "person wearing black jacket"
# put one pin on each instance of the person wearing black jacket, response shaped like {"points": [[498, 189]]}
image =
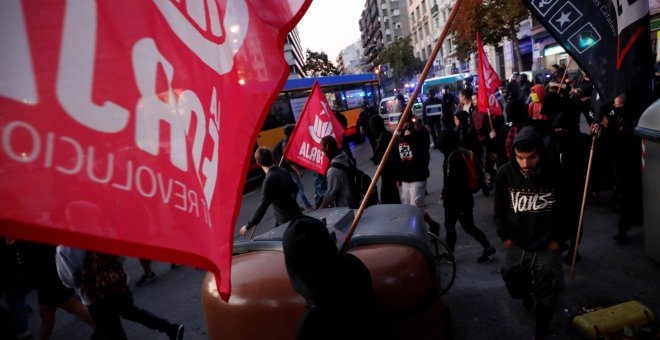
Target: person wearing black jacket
{"points": [[389, 193], [457, 197], [415, 157], [277, 189], [533, 215]]}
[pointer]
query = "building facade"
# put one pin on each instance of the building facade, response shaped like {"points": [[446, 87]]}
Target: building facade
{"points": [[294, 55], [350, 59]]}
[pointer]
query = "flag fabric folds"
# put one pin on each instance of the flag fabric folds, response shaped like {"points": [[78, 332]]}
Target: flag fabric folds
{"points": [[609, 40], [489, 81], [316, 121], [128, 126]]}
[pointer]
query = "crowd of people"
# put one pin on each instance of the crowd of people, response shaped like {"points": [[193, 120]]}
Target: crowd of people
{"points": [[532, 160]]}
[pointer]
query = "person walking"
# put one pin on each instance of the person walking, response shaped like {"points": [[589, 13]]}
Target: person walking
{"points": [[415, 157], [458, 200], [532, 214], [296, 174], [101, 281], [389, 192], [277, 189], [338, 192]]}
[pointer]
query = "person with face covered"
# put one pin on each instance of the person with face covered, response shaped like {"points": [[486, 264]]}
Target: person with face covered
{"points": [[532, 208], [389, 193], [415, 157], [537, 93], [339, 299]]}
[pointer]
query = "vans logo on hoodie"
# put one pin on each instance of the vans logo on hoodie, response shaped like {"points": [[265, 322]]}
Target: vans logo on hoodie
{"points": [[525, 201]]}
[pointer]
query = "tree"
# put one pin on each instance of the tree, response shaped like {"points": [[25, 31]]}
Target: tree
{"points": [[318, 65], [494, 19], [402, 61]]}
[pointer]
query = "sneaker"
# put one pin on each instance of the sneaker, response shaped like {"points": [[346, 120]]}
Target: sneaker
{"points": [[146, 277], [486, 254], [446, 258], [175, 332]]}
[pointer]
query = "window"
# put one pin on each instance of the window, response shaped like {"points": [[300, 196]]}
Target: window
{"points": [[383, 6], [280, 113], [397, 25], [396, 12]]}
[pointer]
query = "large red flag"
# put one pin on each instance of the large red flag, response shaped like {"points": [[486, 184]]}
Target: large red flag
{"points": [[119, 120], [488, 83], [316, 121]]}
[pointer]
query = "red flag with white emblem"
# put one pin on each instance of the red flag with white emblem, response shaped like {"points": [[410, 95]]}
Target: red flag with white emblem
{"points": [[120, 119], [489, 81], [316, 121]]}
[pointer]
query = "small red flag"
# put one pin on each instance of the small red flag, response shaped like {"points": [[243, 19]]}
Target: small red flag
{"points": [[316, 121], [488, 83]]}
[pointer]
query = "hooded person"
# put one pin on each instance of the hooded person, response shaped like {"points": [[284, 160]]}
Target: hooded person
{"points": [[537, 95], [533, 204], [339, 298], [457, 197], [389, 192]]}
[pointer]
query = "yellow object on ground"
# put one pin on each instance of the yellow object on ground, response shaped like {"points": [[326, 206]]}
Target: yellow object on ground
{"points": [[613, 319]]}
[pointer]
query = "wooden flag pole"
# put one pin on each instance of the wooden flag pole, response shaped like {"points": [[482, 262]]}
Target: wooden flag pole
{"points": [[402, 119], [584, 200], [563, 77]]}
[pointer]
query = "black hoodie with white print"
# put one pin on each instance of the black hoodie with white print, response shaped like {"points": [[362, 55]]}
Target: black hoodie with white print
{"points": [[533, 209]]}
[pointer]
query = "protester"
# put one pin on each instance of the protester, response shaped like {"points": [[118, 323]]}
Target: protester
{"points": [[389, 192], [537, 93], [25, 266], [339, 299], [415, 158], [339, 189], [458, 200], [363, 123], [531, 202], [296, 174], [277, 189]]}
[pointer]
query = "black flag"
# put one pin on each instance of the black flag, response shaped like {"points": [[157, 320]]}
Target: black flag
{"points": [[609, 39]]}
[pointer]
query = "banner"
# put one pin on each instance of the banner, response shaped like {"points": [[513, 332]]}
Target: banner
{"points": [[609, 39], [316, 121], [489, 81], [120, 119]]}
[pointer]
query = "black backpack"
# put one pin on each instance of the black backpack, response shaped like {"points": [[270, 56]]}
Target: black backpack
{"points": [[359, 182]]}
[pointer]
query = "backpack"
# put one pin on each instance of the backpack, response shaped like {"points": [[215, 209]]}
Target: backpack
{"points": [[103, 277], [472, 170], [359, 183]]}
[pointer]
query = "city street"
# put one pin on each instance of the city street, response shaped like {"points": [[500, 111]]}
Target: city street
{"points": [[607, 274]]}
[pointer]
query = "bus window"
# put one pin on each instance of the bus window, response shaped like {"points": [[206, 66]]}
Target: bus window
{"points": [[279, 115], [354, 97]]}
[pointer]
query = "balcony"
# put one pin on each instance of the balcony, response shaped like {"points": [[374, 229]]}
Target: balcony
{"points": [[434, 9]]}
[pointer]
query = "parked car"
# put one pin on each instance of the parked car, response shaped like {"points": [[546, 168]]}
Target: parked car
{"points": [[391, 241]]}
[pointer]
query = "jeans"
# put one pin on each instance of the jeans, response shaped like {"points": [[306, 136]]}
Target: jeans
{"points": [[301, 190]]}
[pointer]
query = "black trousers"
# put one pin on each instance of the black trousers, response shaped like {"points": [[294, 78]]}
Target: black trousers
{"points": [[467, 222], [107, 315]]}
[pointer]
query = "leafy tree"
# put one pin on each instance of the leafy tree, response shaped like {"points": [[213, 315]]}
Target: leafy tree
{"points": [[318, 65], [494, 19], [402, 61]]}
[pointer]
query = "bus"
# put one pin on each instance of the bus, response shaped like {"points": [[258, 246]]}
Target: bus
{"points": [[455, 82], [344, 93]]}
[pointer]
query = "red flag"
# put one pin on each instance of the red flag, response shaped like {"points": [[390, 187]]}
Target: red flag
{"points": [[120, 119], [316, 121], [488, 83]]}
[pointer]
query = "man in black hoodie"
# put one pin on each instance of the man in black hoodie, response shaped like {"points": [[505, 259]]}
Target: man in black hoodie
{"points": [[532, 212]]}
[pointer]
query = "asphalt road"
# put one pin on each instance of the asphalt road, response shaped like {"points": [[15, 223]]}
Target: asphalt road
{"points": [[606, 275]]}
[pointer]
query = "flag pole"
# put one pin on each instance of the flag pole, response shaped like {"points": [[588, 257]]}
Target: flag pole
{"points": [[563, 77], [584, 200], [402, 119]]}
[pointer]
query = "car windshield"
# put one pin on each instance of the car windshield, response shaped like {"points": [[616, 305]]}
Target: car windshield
{"points": [[390, 106]]}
